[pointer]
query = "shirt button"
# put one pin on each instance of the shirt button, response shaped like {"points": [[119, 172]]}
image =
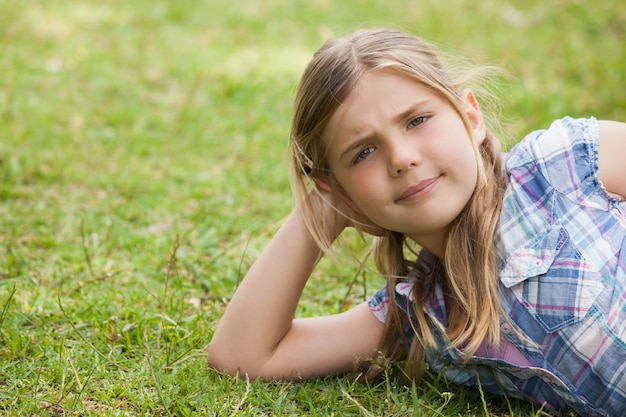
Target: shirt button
{"points": [[505, 328]]}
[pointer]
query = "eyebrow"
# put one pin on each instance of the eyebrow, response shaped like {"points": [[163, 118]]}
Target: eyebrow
{"points": [[412, 109], [355, 145]]}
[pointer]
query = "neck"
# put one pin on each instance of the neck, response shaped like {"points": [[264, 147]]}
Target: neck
{"points": [[433, 244]]}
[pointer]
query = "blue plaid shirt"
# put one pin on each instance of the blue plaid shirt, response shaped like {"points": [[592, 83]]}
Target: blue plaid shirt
{"points": [[561, 249]]}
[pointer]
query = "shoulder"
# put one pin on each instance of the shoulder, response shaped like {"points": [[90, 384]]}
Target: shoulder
{"points": [[570, 144], [552, 184], [563, 157], [561, 142]]}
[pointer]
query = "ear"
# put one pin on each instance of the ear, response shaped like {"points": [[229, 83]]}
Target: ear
{"points": [[474, 115], [324, 184], [333, 187]]}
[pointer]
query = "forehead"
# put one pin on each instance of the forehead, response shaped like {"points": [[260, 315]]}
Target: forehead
{"points": [[377, 95]]}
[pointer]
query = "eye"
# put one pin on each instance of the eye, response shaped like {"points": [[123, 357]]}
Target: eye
{"points": [[364, 154], [416, 122]]}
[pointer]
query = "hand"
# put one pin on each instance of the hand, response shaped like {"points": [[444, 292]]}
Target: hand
{"points": [[363, 223], [339, 215]]}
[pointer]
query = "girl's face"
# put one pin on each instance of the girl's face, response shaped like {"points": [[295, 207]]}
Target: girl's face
{"points": [[403, 157]]}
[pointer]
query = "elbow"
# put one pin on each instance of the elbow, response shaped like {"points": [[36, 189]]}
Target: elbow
{"points": [[225, 361], [219, 360]]}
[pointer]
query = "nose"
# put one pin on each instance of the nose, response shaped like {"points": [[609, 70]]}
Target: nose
{"points": [[403, 155]]}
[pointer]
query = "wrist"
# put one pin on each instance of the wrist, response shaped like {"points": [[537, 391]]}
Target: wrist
{"points": [[322, 217]]}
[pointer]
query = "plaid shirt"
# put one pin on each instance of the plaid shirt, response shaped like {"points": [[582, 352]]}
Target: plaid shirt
{"points": [[561, 249]]}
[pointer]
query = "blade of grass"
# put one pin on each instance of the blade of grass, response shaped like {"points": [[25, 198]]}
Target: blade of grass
{"points": [[84, 339], [6, 306]]}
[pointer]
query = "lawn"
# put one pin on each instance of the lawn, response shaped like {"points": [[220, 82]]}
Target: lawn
{"points": [[143, 168]]}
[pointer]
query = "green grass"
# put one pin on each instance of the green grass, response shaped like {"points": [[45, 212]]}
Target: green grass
{"points": [[143, 167]]}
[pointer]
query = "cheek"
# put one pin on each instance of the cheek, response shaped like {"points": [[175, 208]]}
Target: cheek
{"points": [[463, 158], [357, 191], [469, 171], [361, 184]]}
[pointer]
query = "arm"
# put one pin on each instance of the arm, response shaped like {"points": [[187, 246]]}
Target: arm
{"points": [[258, 335], [612, 168]]}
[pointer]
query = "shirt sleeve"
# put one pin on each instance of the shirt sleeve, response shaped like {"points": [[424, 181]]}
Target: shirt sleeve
{"points": [[567, 156], [379, 303]]}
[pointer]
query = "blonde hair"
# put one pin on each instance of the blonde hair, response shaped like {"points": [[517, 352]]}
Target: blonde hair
{"points": [[468, 271]]}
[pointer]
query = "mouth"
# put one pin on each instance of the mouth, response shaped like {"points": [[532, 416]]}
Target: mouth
{"points": [[417, 191]]}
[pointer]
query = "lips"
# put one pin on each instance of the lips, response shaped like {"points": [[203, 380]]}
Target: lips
{"points": [[418, 190]]}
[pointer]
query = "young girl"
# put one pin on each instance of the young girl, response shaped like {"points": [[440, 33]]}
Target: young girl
{"points": [[519, 285]]}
